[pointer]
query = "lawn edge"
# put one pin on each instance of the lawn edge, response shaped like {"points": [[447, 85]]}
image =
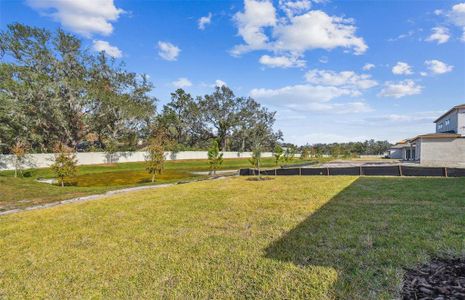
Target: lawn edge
{"points": [[103, 195]]}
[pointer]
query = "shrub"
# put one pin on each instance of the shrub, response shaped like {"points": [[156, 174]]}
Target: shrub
{"points": [[155, 159], [278, 154], [65, 164], [215, 158], [256, 158], [289, 154], [19, 151]]}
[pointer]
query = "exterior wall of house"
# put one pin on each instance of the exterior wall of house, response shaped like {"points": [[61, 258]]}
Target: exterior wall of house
{"points": [[442, 152], [93, 158], [395, 153], [417, 151], [448, 123], [408, 153], [461, 121], [453, 122]]}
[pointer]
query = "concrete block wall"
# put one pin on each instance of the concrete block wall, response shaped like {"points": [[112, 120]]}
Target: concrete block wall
{"points": [[442, 152], [44, 160]]}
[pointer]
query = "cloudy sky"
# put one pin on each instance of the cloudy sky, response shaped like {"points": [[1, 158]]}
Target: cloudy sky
{"points": [[333, 70]]}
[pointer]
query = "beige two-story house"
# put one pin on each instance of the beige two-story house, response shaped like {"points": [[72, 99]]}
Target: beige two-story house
{"points": [[445, 147]]}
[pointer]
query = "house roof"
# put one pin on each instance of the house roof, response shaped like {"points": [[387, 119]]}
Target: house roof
{"points": [[401, 144], [437, 136], [449, 111]]}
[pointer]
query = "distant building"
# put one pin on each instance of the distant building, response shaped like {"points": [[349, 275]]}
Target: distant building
{"points": [[444, 147]]}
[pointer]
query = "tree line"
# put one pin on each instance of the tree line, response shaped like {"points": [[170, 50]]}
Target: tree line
{"points": [[351, 149], [53, 91]]}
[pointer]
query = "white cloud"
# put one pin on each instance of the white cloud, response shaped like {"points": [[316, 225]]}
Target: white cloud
{"points": [[110, 50], [302, 93], [292, 8], [400, 89], [316, 29], [368, 67], [402, 36], [281, 61], [457, 17], [351, 107], [168, 51], [182, 82], [293, 35], [204, 21], [417, 117], [402, 68], [306, 97], [250, 24], [220, 83], [320, 93], [438, 67], [347, 79], [439, 34], [86, 17]]}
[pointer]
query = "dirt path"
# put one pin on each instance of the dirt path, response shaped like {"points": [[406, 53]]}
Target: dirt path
{"points": [[98, 196]]}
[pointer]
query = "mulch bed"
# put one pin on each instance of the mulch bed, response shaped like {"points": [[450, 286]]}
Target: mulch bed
{"points": [[442, 278]]}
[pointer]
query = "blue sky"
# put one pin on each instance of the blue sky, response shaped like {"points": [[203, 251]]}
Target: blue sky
{"points": [[333, 70]]}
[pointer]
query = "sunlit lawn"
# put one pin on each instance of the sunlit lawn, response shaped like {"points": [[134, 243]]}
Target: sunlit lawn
{"points": [[91, 179], [291, 237]]}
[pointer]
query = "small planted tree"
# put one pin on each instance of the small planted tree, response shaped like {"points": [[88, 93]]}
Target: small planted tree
{"points": [[305, 154], [335, 151], [278, 153], [19, 151], [215, 158], [255, 160], [155, 159], [111, 148], [289, 154], [65, 165]]}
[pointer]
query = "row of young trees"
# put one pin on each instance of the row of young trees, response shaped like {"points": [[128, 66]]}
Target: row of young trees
{"points": [[53, 91], [65, 162]]}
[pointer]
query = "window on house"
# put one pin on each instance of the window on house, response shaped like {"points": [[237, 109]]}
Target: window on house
{"points": [[447, 122], [440, 126]]}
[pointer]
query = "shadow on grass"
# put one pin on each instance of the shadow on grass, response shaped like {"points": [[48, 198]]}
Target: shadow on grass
{"points": [[376, 227]]}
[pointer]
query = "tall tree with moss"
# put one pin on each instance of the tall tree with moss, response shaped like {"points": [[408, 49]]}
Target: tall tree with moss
{"points": [[65, 165], [120, 102], [215, 157], [182, 120], [53, 90], [43, 82]]}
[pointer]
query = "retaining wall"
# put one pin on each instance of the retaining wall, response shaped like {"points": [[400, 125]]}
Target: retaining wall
{"points": [[92, 158]]}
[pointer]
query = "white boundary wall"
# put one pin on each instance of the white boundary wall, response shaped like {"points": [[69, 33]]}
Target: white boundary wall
{"points": [[94, 158]]}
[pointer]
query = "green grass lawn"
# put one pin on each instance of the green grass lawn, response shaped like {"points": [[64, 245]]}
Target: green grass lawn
{"points": [[291, 237], [94, 179]]}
